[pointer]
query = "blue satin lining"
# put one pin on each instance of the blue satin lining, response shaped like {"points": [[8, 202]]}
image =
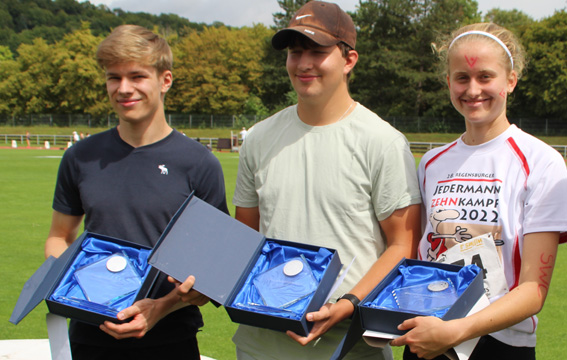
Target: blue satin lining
{"points": [[417, 275], [274, 254], [68, 291]]}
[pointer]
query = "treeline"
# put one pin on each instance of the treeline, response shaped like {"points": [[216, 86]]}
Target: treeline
{"points": [[21, 21], [47, 63]]}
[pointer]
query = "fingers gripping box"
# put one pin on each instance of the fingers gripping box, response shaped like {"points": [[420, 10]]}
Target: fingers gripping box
{"points": [[94, 279]]}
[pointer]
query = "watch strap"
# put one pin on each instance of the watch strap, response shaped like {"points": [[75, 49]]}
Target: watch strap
{"points": [[352, 298]]}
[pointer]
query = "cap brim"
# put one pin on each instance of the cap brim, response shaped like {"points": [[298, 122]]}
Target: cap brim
{"points": [[281, 39]]}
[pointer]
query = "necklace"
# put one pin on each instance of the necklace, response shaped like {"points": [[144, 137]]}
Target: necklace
{"points": [[347, 110]]}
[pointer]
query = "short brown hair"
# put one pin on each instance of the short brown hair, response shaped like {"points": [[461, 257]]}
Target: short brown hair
{"points": [[135, 43]]}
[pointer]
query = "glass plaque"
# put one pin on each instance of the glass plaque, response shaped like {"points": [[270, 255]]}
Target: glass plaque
{"points": [[108, 279], [285, 284], [426, 298]]}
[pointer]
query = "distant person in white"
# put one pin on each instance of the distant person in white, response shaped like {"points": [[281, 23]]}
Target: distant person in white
{"points": [[243, 133]]}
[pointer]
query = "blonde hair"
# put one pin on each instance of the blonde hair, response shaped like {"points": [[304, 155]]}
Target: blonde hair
{"points": [[516, 62], [133, 43]]}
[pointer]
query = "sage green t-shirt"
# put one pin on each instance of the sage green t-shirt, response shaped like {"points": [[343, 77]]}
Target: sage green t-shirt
{"points": [[327, 185]]}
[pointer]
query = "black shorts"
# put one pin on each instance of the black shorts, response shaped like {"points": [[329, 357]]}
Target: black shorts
{"points": [[186, 350], [488, 348]]}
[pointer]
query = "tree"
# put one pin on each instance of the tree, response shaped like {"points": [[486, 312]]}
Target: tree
{"points": [[80, 87], [59, 78], [510, 19], [281, 19], [277, 85], [32, 83], [5, 53], [397, 71], [21, 21], [216, 70], [8, 67], [544, 86]]}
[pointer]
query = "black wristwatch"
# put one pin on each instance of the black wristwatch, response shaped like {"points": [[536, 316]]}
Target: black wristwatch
{"points": [[352, 298]]}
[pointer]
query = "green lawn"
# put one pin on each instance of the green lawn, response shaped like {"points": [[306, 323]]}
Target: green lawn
{"points": [[27, 179]]}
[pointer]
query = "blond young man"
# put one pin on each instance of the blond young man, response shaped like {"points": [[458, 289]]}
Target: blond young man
{"points": [[115, 181], [331, 173]]}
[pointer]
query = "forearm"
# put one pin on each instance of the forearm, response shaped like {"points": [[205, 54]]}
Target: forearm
{"points": [[62, 233], [528, 298], [514, 307], [55, 247], [381, 268], [402, 231]]}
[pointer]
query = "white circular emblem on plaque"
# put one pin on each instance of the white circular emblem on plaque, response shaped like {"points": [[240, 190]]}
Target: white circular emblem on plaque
{"points": [[116, 263], [438, 286], [293, 267]]}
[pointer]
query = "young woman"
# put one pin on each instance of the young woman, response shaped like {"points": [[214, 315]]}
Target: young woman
{"points": [[499, 186]]}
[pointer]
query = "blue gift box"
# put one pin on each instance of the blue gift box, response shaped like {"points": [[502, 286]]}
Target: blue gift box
{"points": [[56, 282], [385, 317], [225, 255]]}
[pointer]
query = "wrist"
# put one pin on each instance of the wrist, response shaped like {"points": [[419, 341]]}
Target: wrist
{"points": [[350, 298], [168, 304]]}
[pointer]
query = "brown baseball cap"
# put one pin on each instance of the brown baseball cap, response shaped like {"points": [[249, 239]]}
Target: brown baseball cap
{"points": [[324, 23]]}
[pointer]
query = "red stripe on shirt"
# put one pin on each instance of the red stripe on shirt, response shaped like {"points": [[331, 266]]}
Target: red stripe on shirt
{"points": [[434, 159], [516, 262], [521, 157]]}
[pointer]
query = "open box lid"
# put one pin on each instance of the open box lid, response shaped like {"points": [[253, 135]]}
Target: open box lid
{"points": [[40, 284], [202, 241]]}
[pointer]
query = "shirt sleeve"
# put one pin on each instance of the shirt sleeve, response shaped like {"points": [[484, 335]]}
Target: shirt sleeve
{"points": [[395, 179], [545, 204], [245, 194], [67, 198], [210, 186]]}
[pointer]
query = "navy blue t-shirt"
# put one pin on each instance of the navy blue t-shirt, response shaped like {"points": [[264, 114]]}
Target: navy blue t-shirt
{"points": [[131, 194]]}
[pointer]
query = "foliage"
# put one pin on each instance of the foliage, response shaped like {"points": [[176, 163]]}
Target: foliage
{"points": [[396, 72], [47, 60], [543, 89], [217, 69], [78, 66], [510, 19], [276, 82], [289, 7], [21, 21], [63, 77]]}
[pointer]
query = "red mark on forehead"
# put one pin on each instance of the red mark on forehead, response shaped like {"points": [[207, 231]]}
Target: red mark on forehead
{"points": [[471, 60]]}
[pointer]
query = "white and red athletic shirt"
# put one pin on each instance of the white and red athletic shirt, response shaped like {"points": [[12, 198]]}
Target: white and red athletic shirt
{"points": [[510, 186]]}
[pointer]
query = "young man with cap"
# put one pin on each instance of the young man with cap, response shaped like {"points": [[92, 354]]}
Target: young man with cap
{"points": [[128, 182], [331, 173]]}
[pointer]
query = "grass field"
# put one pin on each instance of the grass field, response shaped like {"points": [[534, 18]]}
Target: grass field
{"points": [[27, 179]]}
